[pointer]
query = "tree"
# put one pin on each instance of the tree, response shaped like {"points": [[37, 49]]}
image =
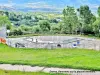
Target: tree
{"points": [[96, 26], [1, 13], [70, 20], [4, 21], [36, 29], [44, 25], [24, 28], [19, 32], [86, 19], [98, 11], [55, 29], [16, 32]]}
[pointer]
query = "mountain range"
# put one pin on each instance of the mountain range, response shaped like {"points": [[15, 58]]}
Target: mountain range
{"points": [[46, 5]]}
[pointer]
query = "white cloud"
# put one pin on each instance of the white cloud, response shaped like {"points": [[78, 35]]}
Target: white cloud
{"points": [[7, 5], [41, 5], [93, 6]]}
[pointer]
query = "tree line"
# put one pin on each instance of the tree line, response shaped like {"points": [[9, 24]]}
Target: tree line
{"points": [[71, 21]]}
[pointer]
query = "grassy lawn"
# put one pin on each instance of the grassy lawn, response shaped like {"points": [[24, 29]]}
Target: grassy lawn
{"points": [[31, 35], [3, 72], [66, 58]]}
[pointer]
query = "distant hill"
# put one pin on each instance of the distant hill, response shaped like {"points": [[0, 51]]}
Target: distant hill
{"points": [[46, 5]]}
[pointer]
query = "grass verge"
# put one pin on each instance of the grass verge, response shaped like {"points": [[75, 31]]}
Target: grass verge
{"points": [[65, 58]]}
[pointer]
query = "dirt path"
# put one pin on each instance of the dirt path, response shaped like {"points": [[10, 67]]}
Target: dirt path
{"points": [[26, 68]]}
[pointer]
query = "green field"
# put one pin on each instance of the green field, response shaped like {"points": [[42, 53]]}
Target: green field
{"points": [[3, 72], [31, 35], [66, 58]]}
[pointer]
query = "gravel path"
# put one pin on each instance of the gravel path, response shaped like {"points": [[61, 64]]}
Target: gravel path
{"points": [[26, 68]]}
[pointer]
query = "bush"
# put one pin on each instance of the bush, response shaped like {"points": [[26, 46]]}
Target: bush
{"points": [[36, 29], [16, 32], [44, 25], [55, 29]]}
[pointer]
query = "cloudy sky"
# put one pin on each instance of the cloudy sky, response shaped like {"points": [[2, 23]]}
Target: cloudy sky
{"points": [[56, 5]]}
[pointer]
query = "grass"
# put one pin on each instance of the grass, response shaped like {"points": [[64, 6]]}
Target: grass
{"points": [[65, 58], [4, 72], [30, 35], [26, 35]]}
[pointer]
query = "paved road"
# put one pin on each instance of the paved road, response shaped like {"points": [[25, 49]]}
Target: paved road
{"points": [[26, 68]]}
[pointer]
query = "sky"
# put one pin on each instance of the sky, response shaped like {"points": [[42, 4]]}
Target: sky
{"points": [[56, 5]]}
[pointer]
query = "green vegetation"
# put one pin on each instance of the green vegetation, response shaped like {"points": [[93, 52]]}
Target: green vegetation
{"points": [[71, 21], [5, 21], [66, 58], [44, 25], [4, 72]]}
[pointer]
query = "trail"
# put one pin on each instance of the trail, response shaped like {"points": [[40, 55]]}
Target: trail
{"points": [[26, 68]]}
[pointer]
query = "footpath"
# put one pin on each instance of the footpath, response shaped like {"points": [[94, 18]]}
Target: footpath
{"points": [[26, 68]]}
